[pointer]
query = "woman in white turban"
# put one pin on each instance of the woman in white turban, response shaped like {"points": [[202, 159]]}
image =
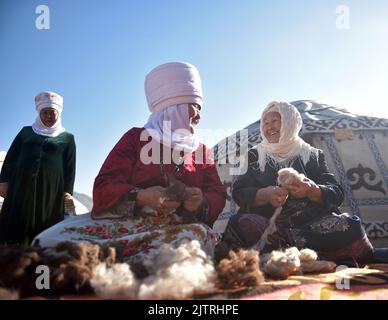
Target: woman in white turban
{"points": [[159, 184], [310, 217], [38, 174]]}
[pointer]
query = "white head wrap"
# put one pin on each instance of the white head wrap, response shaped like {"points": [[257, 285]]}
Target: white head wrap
{"points": [[53, 100], [172, 84], [290, 145], [169, 89]]}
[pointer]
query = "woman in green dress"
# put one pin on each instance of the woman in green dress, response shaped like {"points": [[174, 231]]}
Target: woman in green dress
{"points": [[38, 174]]}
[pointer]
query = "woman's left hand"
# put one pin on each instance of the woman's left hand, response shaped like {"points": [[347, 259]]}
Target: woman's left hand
{"points": [[306, 188], [300, 189], [67, 196], [194, 200]]}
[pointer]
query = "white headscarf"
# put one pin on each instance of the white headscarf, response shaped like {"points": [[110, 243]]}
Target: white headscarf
{"points": [[48, 99], [290, 145], [171, 126]]}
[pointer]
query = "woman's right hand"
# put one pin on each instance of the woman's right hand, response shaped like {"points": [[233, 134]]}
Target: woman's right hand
{"points": [[277, 196], [154, 198], [3, 189]]}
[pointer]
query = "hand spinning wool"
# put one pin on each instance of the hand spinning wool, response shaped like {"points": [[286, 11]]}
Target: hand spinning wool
{"points": [[176, 190], [286, 176]]}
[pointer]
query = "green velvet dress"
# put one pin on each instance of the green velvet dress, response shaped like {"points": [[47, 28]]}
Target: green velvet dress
{"points": [[38, 170]]}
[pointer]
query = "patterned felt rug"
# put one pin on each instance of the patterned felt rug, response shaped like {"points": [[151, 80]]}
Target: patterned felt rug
{"points": [[367, 283]]}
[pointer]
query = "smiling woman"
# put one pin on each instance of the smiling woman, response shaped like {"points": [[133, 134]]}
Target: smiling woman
{"points": [[271, 126], [309, 206]]}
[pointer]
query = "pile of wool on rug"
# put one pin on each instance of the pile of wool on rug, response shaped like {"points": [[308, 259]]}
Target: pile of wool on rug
{"points": [[171, 272], [240, 269], [291, 261], [174, 273], [71, 267], [81, 268]]}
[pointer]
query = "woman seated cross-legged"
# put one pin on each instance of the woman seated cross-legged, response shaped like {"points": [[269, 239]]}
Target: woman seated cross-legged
{"points": [[159, 184], [310, 216]]}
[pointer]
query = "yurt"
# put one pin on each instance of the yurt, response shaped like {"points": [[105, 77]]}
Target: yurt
{"points": [[356, 150]]}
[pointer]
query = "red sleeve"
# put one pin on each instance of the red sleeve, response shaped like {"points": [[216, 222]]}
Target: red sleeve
{"points": [[213, 190], [113, 180]]}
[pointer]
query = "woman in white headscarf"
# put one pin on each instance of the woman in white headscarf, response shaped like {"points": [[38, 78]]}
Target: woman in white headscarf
{"points": [[159, 184], [38, 174], [310, 217]]}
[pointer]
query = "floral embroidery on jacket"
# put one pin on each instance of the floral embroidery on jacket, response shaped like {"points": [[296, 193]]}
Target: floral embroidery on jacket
{"points": [[330, 224]]}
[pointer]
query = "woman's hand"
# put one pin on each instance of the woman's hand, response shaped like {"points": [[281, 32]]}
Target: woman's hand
{"points": [[154, 198], [3, 189], [305, 189], [276, 196], [194, 199], [66, 196]]}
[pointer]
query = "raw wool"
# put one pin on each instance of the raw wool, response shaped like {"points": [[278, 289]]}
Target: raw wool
{"points": [[174, 273], [268, 231], [116, 280], [17, 268], [177, 191], [285, 176], [6, 294], [289, 176], [310, 263], [240, 269], [177, 273], [281, 264], [71, 267]]}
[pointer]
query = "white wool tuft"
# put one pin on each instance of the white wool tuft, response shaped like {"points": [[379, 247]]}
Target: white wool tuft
{"points": [[307, 255], [281, 264], [175, 273], [178, 272], [118, 280], [289, 176]]}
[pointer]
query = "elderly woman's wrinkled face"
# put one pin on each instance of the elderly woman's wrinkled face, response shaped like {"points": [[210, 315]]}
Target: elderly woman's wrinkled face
{"points": [[194, 115], [272, 124], [49, 116]]}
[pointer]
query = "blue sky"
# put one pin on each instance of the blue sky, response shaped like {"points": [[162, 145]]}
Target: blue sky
{"points": [[97, 53]]}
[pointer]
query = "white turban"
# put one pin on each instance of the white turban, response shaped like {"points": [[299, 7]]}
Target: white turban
{"points": [[171, 84], [48, 99], [290, 145]]}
